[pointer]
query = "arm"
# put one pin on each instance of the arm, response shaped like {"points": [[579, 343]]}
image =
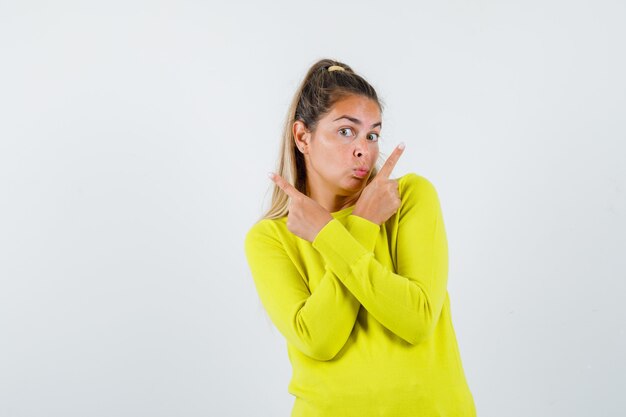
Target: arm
{"points": [[408, 302], [319, 323]]}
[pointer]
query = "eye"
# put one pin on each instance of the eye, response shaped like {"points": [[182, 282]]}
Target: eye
{"points": [[375, 137], [345, 129]]}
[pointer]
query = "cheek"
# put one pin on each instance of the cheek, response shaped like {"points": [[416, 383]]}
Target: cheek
{"points": [[374, 152]]}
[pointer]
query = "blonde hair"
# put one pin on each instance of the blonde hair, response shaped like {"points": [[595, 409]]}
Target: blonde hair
{"points": [[317, 93]]}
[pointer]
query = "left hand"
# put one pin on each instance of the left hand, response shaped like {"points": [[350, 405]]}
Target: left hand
{"points": [[306, 217], [380, 199]]}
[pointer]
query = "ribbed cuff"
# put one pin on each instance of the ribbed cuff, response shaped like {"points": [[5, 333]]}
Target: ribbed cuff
{"points": [[363, 230], [338, 247]]}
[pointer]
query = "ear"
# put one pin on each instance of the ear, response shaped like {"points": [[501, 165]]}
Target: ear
{"points": [[301, 136]]}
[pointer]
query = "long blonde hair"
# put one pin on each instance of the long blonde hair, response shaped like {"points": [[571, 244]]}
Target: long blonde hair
{"points": [[315, 96]]}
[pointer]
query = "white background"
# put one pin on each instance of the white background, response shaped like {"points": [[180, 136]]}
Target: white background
{"points": [[135, 138]]}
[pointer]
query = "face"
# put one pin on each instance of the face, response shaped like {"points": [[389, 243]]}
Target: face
{"points": [[342, 151]]}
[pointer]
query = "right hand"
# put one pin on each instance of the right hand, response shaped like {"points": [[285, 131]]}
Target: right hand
{"points": [[306, 217], [380, 199]]}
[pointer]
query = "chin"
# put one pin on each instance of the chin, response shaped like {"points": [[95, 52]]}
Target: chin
{"points": [[356, 183]]}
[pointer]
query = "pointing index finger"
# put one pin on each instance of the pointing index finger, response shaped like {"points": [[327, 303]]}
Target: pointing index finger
{"points": [[289, 189], [390, 163]]}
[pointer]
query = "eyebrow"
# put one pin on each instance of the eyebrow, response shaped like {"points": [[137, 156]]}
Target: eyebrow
{"points": [[357, 121]]}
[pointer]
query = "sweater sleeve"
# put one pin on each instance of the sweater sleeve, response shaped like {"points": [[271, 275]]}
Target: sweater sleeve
{"points": [[317, 323], [409, 301]]}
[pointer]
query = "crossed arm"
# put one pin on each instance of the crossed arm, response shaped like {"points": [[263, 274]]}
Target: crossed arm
{"points": [[408, 302]]}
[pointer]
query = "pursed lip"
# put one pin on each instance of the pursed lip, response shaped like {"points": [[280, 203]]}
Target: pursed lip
{"points": [[361, 171]]}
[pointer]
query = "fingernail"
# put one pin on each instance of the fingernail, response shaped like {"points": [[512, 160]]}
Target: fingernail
{"points": [[270, 175], [401, 145]]}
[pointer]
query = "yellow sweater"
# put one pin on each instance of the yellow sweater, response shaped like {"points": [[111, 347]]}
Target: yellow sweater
{"points": [[365, 311]]}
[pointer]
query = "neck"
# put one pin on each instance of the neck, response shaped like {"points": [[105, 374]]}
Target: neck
{"points": [[330, 200]]}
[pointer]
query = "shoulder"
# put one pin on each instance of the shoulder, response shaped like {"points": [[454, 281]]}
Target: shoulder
{"points": [[416, 186], [263, 227], [265, 231], [417, 193]]}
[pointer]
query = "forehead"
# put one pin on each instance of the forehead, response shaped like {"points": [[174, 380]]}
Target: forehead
{"points": [[360, 107]]}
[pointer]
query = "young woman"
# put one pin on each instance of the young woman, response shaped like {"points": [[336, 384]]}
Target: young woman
{"points": [[351, 266]]}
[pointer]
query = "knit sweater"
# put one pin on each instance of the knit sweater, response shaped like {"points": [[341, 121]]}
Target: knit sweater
{"points": [[365, 311]]}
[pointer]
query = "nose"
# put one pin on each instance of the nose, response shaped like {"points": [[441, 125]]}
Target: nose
{"points": [[360, 148]]}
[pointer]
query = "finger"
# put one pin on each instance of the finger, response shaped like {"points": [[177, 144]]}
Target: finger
{"points": [[390, 163], [289, 189]]}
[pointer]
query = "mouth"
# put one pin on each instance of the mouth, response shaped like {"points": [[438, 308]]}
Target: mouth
{"points": [[361, 172]]}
